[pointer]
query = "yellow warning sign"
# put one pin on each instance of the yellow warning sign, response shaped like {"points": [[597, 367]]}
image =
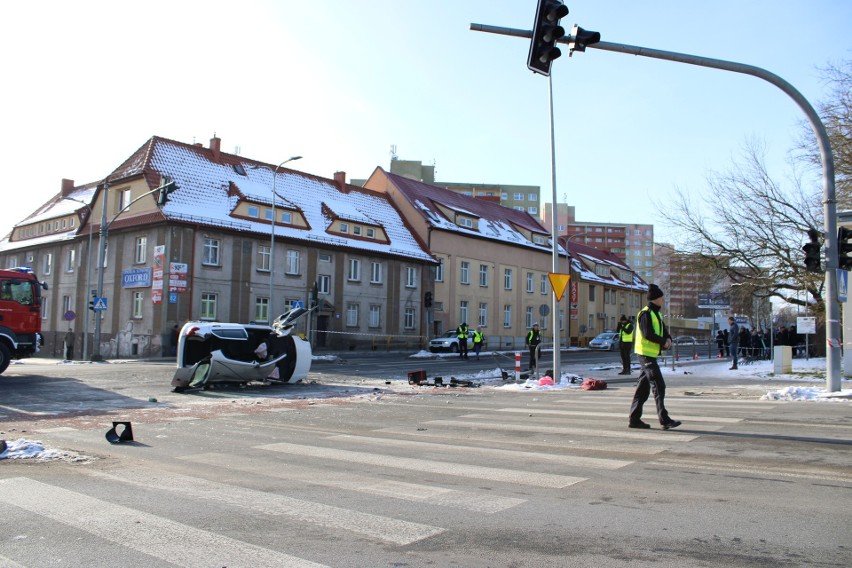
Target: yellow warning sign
{"points": [[559, 282]]}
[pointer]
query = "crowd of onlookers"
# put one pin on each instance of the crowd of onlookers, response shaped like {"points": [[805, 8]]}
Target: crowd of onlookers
{"points": [[757, 343]]}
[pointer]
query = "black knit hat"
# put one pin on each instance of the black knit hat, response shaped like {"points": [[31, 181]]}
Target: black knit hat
{"points": [[654, 292]]}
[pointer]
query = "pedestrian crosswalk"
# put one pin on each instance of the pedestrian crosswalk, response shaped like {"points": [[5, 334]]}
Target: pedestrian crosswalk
{"points": [[424, 469]]}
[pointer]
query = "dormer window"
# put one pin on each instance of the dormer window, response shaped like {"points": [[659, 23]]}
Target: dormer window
{"points": [[464, 222], [356, 230], [286, 217], [539, 240], [344, 227], [371, 233], [238, 168], [253, 211]]}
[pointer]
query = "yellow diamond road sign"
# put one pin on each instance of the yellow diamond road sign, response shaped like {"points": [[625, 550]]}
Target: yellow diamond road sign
{"points": [[558, 282]]}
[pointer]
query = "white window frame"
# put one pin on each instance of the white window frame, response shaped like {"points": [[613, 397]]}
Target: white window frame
{"points": [[261, 308], [254, 211], [507, 316], [211, 251], [375, 316], [286, 218], [439, 271], [544, 284], [70, 255], [47, 263], [483, 314], [464, 272], [508, 278], [264, 254], [483, 276], [528, 316], [530, 282], [410, 318], [410, 277], [324, 284], [463, 311], [138, 304], [141, 250], [352, 310], [354, 272], [209, 306], [375, 272], [293, 262]]}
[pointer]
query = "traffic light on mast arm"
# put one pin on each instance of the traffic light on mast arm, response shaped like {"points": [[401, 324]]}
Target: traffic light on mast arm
{"points": [[844, 248], [546, 31], [580, 38], [165, 190], [813, 251]]}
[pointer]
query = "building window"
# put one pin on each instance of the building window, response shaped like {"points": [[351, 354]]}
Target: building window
{"points": [[439, 271], [344, 227], [48, 262], [354, 270], [324, 284], [209, 306], [532, 197], [70, 254], [12, 262], [464, 222], [352, 315], [325, 258], [375, 315], [591, 293], [518, 196], [66, 304], [286, 218], [463, 311], [264, 254], [464, 272], [261, 309], [253, 211], [210, 252], [141, 249], [138, 302], [44, 311], [530, 282], [410, 318], [483, 275], [293, 258], [507, 316], [532, 210], [124, 199], [375, 273], [483, 314], [507, 278], [410, 277], [544, 284], [528, 318], [356, 230], [371, 233]]}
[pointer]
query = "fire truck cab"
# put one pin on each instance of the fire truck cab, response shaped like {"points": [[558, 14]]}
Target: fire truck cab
{"points": [[20, 315]]}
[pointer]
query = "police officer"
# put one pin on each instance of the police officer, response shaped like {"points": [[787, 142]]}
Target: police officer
{"points": [[478, 340], [461, 333], [651, 337], [532, 340], [625, 343]]}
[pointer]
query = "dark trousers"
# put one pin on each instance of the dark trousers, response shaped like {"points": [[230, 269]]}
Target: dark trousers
{"points": [[650, 378], [477, 347], [626, 348], [735, 353], [533, 349], [463, 348]]}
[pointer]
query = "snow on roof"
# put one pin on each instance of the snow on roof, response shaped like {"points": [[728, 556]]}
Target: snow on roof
{"points": [[579, 251], [496, 222], [204, 196]]}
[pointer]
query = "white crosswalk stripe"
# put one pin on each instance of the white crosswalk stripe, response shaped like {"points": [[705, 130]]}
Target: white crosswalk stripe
{"points": [[162, 538]]}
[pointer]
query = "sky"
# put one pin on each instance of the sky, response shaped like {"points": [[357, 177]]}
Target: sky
{"points": [[340, 82]]}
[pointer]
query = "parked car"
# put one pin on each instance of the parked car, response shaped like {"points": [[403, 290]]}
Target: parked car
{"points": [[233, 353], [684, 340], [607, 341], [449, 342]]}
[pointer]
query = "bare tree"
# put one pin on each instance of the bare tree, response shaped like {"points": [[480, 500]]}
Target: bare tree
{"points": [[751, 229]]}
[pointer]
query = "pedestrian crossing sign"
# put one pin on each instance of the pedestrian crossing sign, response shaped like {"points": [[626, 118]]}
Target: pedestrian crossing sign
{"points": [[100, 304]]}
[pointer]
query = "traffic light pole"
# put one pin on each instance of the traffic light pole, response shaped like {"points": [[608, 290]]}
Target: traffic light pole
{"points": [[832, 304], [554, 235]]}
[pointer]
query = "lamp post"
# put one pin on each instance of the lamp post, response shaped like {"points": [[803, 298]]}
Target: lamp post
{"points": [[102, 242], [88, 275], [272, 234]]}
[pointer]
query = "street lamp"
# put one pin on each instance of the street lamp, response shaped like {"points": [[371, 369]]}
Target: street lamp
{"points": [[272, 232], [88, 275]]}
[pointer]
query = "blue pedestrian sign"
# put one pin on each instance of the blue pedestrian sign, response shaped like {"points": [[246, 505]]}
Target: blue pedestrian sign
{"points": [[842, 286], [297, 304], [100, 304]]}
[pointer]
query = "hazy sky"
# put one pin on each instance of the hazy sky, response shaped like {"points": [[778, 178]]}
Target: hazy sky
{"points": [[339, 82]]}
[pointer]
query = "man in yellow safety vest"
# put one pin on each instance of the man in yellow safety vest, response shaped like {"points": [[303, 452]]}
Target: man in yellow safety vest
{"points": [[651, 337], [625, 343]]}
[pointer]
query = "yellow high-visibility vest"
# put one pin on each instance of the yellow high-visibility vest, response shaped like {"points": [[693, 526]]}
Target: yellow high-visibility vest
{"points": [[642, 346]]}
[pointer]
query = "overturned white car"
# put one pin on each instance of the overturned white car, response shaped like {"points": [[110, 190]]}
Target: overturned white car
{"points": [[210, 353]]}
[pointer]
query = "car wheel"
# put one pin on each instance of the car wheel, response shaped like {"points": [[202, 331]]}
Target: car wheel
{"points": [[433, 350]]}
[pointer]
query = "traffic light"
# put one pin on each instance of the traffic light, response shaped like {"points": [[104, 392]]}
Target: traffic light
{"points": [[546, 31], [92, 304], [314, 299], [165, 190], [812, 252], [844, 248], [427, 299], [580, 38]]}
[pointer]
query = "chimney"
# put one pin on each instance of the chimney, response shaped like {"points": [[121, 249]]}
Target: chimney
{"points": [[215, 145], [67, 187], [340, 180]]}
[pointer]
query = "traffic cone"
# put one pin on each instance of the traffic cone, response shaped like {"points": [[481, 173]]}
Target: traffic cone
{"points": [[695, 357]]}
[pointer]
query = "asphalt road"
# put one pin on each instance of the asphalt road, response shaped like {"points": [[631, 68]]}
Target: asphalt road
{"points": [[350, 471]]}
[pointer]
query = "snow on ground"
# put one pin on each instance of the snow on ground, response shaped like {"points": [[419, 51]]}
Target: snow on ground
{"points": [[29, 449]]}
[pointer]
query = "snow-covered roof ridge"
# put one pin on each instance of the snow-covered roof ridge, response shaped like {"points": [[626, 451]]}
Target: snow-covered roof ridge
{"points": [[204, 198], [494, 221]]}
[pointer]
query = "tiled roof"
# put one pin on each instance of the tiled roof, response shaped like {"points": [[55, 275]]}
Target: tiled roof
{"points": [[579, 251], [496, 222]]}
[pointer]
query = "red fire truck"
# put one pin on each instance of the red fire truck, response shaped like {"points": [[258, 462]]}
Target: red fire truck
{"points": [[20, 315]]}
